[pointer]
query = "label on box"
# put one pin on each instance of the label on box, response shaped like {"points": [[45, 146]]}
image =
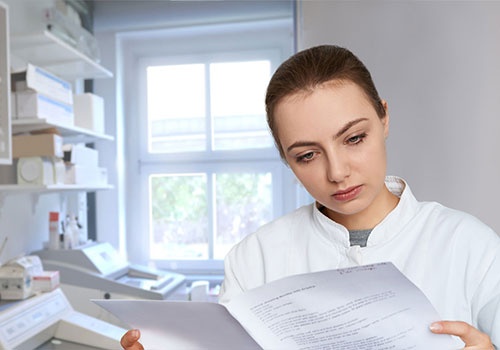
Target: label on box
{"points": [[40, 80], [35, 105]]}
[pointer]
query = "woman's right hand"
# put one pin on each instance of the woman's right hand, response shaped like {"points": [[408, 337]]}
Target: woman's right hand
{"points": [[130, 340]]}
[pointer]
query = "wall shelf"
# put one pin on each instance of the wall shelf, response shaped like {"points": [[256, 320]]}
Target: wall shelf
{"points": [[71, 134], [36, 190], [58, 57], [41, 189], [48, 51]]}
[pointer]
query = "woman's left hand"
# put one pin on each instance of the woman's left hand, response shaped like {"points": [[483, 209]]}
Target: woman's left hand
{"points": [[473, 338]]}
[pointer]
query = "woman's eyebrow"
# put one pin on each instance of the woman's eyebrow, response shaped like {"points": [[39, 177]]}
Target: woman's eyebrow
{"points": [[348, 126], [343, 130], [300, 144]]}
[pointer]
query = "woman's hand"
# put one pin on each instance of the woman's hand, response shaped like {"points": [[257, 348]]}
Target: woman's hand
{"points": [[472, 337], [130, 340]]}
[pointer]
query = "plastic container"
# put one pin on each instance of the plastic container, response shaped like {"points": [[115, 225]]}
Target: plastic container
{"points": [[54, 239], [71, 233]]}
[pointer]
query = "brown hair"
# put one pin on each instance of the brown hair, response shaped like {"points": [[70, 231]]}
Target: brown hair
{"points": [[312, 67]]}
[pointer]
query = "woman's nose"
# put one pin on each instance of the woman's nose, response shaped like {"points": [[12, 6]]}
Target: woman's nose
{"points": [[337, 168]]}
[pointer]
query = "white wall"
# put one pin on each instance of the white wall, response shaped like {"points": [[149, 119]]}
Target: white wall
{"points": [[24, 221], [437, 63]]}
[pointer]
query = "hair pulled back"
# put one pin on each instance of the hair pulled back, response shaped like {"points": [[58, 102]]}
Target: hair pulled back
{"points": [[307, 69]]}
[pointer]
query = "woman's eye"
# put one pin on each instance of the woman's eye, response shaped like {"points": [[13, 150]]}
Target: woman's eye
{"points": [[305, 157], [356, 139]]}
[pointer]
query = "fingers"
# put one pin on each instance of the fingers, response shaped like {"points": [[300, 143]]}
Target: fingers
{"points": [[130, 340], [469, 335]]}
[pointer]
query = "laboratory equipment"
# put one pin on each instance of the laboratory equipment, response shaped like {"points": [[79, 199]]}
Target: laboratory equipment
{"points": [[48, 321], [97, 271], [16, 277]]}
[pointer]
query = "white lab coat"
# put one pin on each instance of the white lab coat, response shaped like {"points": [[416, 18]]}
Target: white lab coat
{"points": [[450, 255]]}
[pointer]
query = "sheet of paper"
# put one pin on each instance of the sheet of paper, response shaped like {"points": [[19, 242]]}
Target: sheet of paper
{"points": [[368, 307], [182, 325]]}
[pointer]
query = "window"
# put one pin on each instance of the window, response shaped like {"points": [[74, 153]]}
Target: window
{"points": [[209, 106], [208, 173]]}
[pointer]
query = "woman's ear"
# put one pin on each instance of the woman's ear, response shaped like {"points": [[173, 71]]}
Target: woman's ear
{"points": [[385, 119]]}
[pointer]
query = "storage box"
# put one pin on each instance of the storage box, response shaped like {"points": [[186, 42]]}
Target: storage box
{"points": [[59, 170], [44, 145], [89, 176], [81, 155], [89, 112], [32, 104], [37, 79], [35, 171], [45, 281]]}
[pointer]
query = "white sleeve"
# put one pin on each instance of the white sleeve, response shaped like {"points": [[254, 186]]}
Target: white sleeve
{"points": [[487, 300]]}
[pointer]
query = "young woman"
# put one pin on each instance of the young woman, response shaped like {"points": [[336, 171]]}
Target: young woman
{"points": [[330, 126]]}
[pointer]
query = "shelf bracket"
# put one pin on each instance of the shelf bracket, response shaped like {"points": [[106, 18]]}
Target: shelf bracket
{"points": [[34, 201]]}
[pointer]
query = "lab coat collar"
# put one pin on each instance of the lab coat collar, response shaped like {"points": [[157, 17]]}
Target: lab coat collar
{"points": [[391, 225]]}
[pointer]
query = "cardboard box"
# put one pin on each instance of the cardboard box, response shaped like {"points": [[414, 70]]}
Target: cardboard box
{"points": [[32, 104], [89, 112], [43, 145], [37, 79], [81, 155]]}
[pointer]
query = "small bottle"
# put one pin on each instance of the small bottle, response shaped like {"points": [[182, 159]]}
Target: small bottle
{"points": [[54, 230], [74, 231], [67, 237]]}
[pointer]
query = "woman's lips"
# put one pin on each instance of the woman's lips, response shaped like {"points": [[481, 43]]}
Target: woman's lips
{"points": [[347, 194]]}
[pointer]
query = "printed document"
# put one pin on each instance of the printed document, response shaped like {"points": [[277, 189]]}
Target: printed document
{"points": [[365, 307]]}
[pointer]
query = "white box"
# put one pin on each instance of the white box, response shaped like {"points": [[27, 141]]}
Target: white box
{"points": [[37, 79], [59, 171], [81, 155], [46, 281], [82, 175], [35, 171], [31, 104], [89, 112]]}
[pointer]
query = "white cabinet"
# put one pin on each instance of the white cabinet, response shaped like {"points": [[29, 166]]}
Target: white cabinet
{"points": [[61, 59], [5, 119]]}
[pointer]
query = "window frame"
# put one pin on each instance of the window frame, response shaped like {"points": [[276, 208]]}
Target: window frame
{"points": [[140, 50]]}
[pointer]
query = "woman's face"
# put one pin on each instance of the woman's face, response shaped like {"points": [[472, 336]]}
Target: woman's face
{"points": [[334, 142]]}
